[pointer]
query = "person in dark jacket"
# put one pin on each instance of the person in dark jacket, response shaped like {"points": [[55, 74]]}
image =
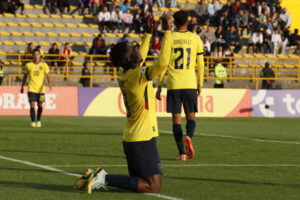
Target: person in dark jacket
{"points": [[85, 72], [267, 72]]}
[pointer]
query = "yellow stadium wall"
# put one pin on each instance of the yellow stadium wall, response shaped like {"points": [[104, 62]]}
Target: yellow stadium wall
{"points": [[293, 7]]}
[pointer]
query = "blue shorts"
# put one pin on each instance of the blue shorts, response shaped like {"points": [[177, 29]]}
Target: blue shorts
{"points": [[186, 97], [142, 158], [36, 97]]}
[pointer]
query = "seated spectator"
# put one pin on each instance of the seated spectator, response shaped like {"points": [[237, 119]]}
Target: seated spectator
{"points": [[7, 6], [228, 7], [127, 20], [85, 72], [277, 42], [62, 4], [206, 44], [267, 72], [82, 4], [201, 12], [294, 39], [104, 20], [51, 5], [210, 35], [242, 21], [256, 42], [93, 4], [18, 4], [125, 6], [138, 21], [285, 19], [66, 57], [219, 53], [219, 41], [54, 59], [263, 19], [192, 24], [98, 47], [213, 8], [161, 3], [253, 24], [116, 19], [268, 47], [155, 46], [237, 7], [227, 53], [233, 39], [145, 6], [28, 53], [124, 38], [113, 6]]}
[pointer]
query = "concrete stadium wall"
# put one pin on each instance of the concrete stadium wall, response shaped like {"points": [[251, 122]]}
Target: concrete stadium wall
{"points": [[108, 102]]}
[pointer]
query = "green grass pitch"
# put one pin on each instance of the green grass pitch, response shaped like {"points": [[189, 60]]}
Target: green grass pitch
{"points": [[235, 158]]}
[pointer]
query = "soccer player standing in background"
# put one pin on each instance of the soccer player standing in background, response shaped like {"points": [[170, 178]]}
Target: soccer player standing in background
{"points": [[182, 84], [37, 71], [139, 136]]}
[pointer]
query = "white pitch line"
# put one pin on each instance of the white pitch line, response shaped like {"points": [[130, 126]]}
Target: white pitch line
{"points": [[239, 137], [73, 174], [192, 165]]}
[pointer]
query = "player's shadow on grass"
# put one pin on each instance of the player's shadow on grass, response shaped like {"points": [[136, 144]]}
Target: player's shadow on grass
{"points": [[63, 153], [243, 182], [39, 186]]}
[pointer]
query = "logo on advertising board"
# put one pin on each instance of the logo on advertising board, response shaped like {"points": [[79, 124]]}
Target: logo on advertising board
{"points": [[276, 103]]}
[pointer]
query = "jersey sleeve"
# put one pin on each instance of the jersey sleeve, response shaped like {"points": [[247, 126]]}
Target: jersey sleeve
{"points": [[26, 69], [46, 68], [144, 48], [163, 59], [200, 62]]}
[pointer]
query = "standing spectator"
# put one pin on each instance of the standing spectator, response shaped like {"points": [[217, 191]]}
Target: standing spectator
{"points": [[104, 20], [66, 56], [285, 18], [62, 4], [155, 46], [242, 21], [54, 59], [256, 42], [127, 20], [267, 72], [18, 4], [98, 47], [145, 6], [124, 38], [138, 21], [1, 72], [268, 47], [277, 42], [233, 39], [85, 72], [201, 12], [220, 75], [125, 6], [116, 19]]}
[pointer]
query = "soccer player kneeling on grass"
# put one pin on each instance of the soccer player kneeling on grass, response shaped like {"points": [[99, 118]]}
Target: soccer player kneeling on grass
{"points": [[139, 137], [36, 71]]}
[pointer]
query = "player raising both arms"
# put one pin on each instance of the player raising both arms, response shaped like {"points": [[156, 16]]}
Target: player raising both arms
{"points": [[139, 137], [36, 71], [182, 84]]}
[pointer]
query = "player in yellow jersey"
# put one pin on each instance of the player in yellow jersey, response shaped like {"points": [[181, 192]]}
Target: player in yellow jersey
{"points": [[182, 83], [139, 137], [36, 71]]}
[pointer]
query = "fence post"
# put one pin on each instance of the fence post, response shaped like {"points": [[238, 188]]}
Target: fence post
{"points": [[67, 68], [298, 76], [256, 84], [276, 69], [230, 68], [19, 63], [9, 80], [253, 69]]}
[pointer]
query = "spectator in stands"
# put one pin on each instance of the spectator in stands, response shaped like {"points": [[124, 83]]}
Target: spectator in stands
{"points": [[82, 4], [285, 19], [219, 41], [55, 58], [267, 72], [28, 53], [93, 5], [40, 48], [193, 25], [161, 3], [242, 21], [263, 19], [268, 47], [277, 42], [206, 44], [1, 72], [51, 5], [294, 39], [62, 4], [125, 6], [138, 20], [124, 38], [233, 39], [210, 35], [220, 75], [219, 53], [155, 46], [85, 72], [104, 20], [250, 5], [173, 3], [237, 7], [201, 12], [66, 56], [113, 6], [256, 42], [127, 20], [116, 19], [213, 8], [224, 20], [98, 47], [18, 4], [146, 6], [228, 7], [252, 23]]}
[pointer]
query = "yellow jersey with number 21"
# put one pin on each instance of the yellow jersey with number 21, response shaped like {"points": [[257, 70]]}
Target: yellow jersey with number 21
{"points": [[36, 73]]}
